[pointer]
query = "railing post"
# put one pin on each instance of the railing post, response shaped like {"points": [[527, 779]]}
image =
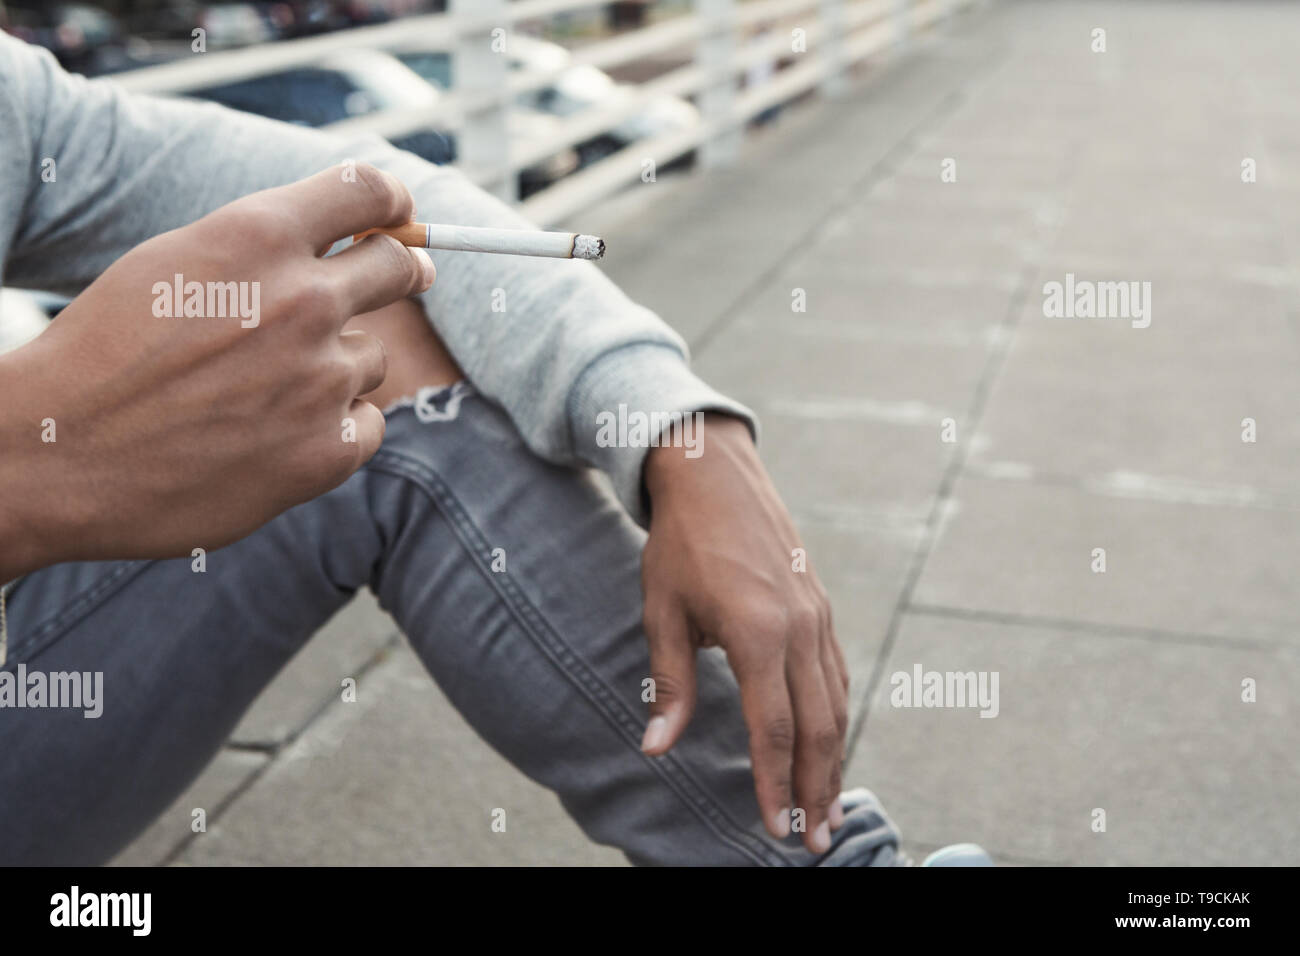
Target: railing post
{"points": [[902, 24], [831, 48], [713, 54], [479, 72]]}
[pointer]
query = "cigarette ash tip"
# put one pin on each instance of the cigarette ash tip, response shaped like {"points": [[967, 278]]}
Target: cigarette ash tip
{"points": [[588, 247]]}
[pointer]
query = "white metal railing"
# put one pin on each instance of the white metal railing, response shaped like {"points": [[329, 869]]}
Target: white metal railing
{"points": [[834, 35]]}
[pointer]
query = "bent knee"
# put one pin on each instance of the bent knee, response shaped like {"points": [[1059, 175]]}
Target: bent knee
{"points": [[417, 357]]}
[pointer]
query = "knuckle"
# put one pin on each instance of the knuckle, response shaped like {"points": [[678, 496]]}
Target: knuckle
{"points": [[387, 250], [752, 659], [825, 741], [379, 357], [338, 380], [804, 620], [780, 785], [777, 735], [397, 261], [764, 625], [374, 180], [841, 716], [389, 195], [803, 633], [261, 223], [315, 299], [667, 687], [414, 272], [824, 611], [822, 796]]}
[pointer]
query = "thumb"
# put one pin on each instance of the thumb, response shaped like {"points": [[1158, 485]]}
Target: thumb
{"points": [[672, 670]]}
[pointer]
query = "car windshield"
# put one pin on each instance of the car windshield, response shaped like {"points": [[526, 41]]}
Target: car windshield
{"points": [[433, 67], [306, 97], [386, 83], [550, 100]]}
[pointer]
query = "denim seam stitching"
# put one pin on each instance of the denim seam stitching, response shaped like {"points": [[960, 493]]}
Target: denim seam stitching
{"points": [[537, 627], [77, 608]]}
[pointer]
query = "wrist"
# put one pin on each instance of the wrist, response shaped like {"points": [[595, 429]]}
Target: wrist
{"points": [[29, 526], [722, 440]]}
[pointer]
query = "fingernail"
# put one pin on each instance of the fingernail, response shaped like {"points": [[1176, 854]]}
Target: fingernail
{"points": [[837, 814], [781, 823], [656, 734], [426, 265], [821, 840]]}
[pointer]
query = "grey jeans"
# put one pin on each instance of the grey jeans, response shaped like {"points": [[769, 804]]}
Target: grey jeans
{"points": [[545, 660]]}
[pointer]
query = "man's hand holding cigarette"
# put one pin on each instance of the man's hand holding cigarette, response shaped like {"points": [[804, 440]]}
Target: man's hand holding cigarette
{"points": [[183, 432]]}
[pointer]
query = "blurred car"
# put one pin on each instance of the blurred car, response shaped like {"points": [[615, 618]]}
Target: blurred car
{"points": [[578, 87], [175, 19], [76, 33], [338, 88], [235, 24], [308, 17], [362, 12], [358, 83]]}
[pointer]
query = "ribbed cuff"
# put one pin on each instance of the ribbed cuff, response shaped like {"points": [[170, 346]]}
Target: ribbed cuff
{"points": [[620, 398]]}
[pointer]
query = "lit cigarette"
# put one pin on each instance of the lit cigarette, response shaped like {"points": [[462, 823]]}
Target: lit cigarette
{"points": [[508, 242]]}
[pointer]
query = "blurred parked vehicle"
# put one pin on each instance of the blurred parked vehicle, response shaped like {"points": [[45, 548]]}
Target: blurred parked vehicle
{"points": [[362, 82], [577, 87], [338, 88], [235, 24], [627, 14], [76, 33], [362, 12], [309, 17]]}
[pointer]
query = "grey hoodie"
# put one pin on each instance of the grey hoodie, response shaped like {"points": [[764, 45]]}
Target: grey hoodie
{"points": [[128, 167]]}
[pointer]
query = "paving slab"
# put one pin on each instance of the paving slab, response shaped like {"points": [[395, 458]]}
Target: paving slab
{"points": [[859, 471], [1097, 398], [395, 778], [784, 369], [863, 570], [220, 782], [313, 679], [1173, 563], [1153, 732], [691, 266]]}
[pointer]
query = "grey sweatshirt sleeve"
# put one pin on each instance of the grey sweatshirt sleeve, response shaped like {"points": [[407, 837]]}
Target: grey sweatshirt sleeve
{"points": [[568, 346]]}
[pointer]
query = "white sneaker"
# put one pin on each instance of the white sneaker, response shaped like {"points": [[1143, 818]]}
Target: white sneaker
{"points": [[959, 854]]}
